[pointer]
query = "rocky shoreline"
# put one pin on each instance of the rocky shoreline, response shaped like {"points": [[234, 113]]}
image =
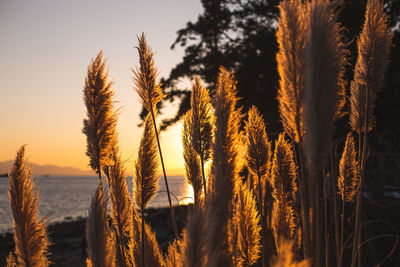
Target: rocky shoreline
{"points": [[68, 238]]}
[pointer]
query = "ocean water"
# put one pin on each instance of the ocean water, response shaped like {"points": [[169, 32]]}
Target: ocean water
{"points": [[65, 198]]}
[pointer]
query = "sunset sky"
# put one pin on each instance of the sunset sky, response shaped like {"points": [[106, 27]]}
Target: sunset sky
{"points": [[45, 49]]}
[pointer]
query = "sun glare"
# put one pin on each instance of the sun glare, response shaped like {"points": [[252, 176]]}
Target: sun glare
{"points": [[188, 195]]}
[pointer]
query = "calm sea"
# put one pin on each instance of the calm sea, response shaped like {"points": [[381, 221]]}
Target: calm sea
{"points": [[65, 198]]}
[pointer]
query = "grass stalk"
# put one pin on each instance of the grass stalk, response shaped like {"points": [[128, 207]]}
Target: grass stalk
{"points": [[172, 211], [334, 201]]}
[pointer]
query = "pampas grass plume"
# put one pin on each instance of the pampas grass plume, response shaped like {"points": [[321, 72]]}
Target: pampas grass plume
{"points": [[98, 235], [348, 181], [146, 178], [287, 257], [202, 118], [284, 185], [191, 158], [373, 52], [10, 260], [249, 230], [325, 61], [224, 170], [121, 210], [145, 78], [173, 257], [193, 245], [257, 144], [30, 237], [99, 127], [291, 37]]}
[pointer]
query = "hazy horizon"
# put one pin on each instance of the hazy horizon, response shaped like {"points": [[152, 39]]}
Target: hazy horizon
{"points": [[45, 50]]}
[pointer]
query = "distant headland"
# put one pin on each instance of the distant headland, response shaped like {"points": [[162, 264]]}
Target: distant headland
{"points": [[45, 170]]}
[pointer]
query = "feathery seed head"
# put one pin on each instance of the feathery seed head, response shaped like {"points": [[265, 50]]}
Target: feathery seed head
{"points": [[192, 160], [173, 256], [249, 230], [121, 208], [30, 237], [373, 52], [153, 255], [145, 79], [202, 119], [98, 235], [287, 256], [348, 181], [224, 170], [193, 245], [323, 96], [284, 185], [99, 127], [257, 144], [291, 36], [146, 178]]}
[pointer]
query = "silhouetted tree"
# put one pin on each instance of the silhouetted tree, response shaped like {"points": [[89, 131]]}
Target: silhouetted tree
{"points": [[240, 35]]}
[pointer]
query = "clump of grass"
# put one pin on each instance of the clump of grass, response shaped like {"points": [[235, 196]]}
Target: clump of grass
{"points": [[373, 51], [30, 237]]}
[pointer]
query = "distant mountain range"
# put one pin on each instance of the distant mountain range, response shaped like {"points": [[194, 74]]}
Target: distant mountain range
{"points": [[41, 170]]}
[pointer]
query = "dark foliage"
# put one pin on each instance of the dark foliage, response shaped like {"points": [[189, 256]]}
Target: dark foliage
{"points": [[240, 35]]}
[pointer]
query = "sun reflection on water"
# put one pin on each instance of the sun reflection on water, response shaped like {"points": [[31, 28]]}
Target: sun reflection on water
{"points": [[188, 195]]}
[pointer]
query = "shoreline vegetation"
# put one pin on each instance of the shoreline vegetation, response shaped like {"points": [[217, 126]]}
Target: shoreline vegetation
{"points": [[292, 201], [68, 243]]}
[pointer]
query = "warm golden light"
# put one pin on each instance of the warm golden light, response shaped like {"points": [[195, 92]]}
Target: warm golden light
{"points": [[188, 195]]}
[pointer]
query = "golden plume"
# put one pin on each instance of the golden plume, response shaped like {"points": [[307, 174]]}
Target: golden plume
{"points": [[291, 36], [348, 181], [224, 170], [287, 257], [30, 237], [325, 61], [99, 127], [153, 255], [151, 94], [249, 230], [145, 79], [146, 178], [98, 235], [192, 159], [284, 188], [173, 257], [257, 145], [121, 210], [202, 123], [193, 245], [373, 51], [10, 260], [323, 96]]}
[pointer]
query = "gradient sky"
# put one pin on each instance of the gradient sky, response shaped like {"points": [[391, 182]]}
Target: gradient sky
{"points": [[45, 49]]}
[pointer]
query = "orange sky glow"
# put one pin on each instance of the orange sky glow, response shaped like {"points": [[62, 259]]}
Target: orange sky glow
{"points": [[45, 50]]}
